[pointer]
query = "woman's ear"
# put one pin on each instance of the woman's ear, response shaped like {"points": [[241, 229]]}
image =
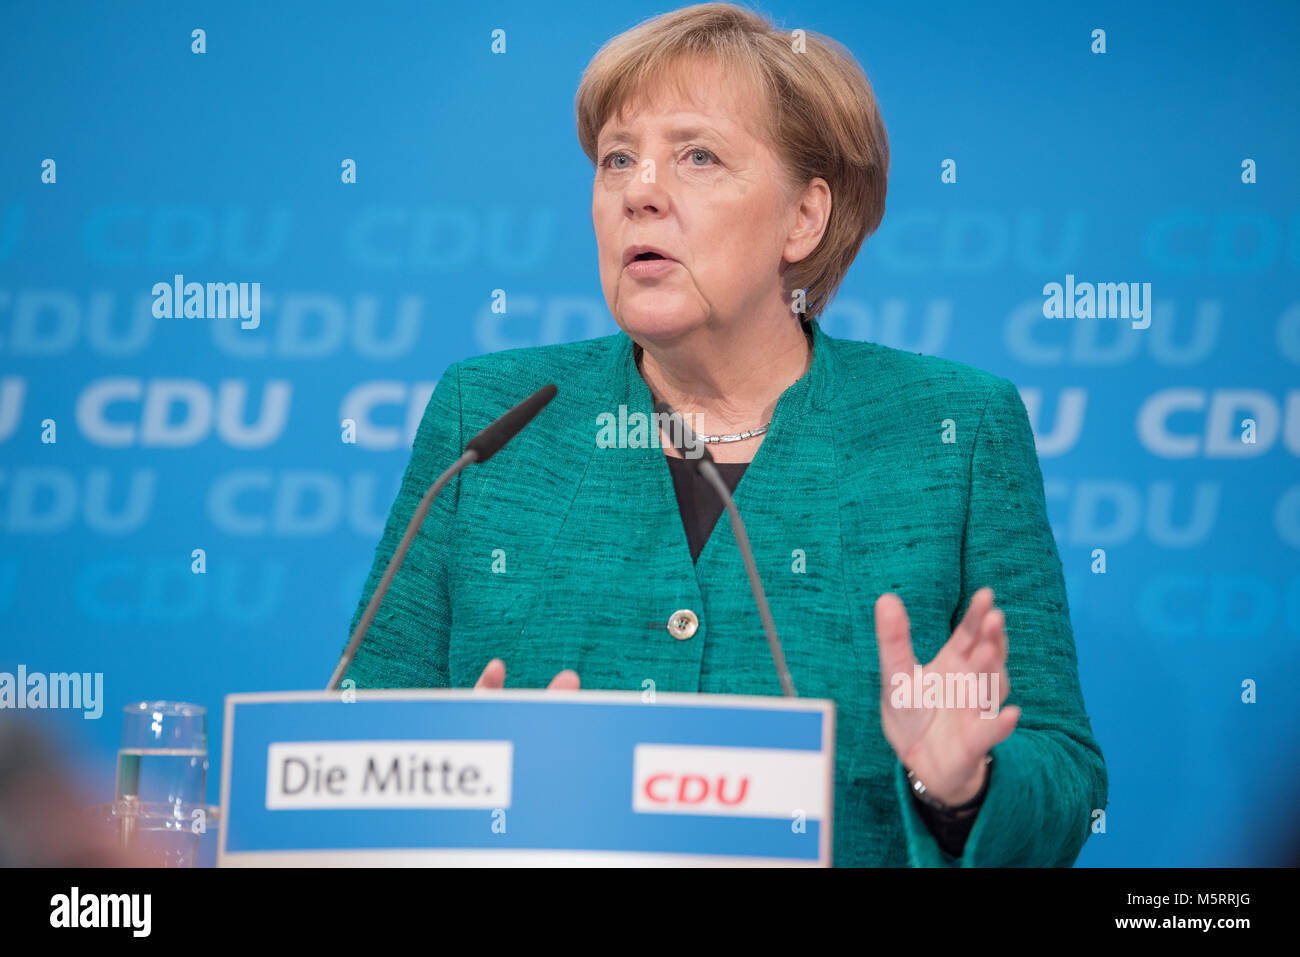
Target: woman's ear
{"points": [[811, 216]]}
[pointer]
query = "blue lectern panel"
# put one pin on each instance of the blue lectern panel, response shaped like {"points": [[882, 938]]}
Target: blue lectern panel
{"points": [[735, 777]]}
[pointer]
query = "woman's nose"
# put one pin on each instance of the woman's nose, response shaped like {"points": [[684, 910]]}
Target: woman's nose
{"points": [[645, 193]]}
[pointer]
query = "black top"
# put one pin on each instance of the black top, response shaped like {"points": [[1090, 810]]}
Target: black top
{"points": [[698, 501], [700, 509]]}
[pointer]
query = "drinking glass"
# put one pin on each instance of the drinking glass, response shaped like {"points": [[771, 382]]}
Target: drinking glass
{"points": [[162, 768]]}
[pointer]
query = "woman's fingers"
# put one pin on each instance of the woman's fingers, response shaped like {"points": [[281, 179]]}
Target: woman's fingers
{"points": [[993, 635], [566, 680], [969, 628], [987, 654], [994, 731], [893, 640], [494, 678]]}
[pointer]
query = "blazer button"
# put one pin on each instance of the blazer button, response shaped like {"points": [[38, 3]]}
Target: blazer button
{"points": [[683, 624]]}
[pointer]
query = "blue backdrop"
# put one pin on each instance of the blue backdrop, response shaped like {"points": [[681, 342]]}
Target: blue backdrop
{"points": [[1169, 158]]}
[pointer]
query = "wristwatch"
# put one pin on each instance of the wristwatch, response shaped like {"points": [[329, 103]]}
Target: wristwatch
{"points": [[929, 800]]}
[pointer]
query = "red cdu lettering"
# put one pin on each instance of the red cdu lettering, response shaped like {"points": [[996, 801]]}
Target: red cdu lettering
{"points": [[686, 781], [650, 783], [722, 786]]}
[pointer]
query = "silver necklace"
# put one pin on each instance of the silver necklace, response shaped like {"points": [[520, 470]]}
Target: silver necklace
{"points": [[732, 436], [711, 439]]}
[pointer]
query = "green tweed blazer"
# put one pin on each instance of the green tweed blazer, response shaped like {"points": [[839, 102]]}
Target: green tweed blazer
{"points": [[559, 553]]}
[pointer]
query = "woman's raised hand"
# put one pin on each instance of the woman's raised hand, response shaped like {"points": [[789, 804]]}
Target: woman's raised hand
{"points": [[945, 745]]}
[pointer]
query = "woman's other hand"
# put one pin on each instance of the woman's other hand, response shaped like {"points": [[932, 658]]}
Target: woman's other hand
{"points": [[494, 676]]}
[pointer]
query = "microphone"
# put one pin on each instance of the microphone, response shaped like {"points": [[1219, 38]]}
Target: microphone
{"points": [[478, 449], [488, 442], [683, 438]]}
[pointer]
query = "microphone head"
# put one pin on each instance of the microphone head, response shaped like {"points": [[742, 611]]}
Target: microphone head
{"points": [[683, 438], [490, 441]]}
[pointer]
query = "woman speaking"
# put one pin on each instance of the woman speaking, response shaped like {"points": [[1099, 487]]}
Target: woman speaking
{"points": [[894, 501]]}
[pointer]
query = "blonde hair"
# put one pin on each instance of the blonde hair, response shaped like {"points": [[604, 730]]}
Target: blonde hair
{"points": [[820, 115]]}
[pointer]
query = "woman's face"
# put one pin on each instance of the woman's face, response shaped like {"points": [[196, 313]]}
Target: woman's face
{"points": [[694, 179]]}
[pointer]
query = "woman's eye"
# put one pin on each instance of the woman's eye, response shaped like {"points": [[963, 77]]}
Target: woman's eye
{"points": [[621, 161]]}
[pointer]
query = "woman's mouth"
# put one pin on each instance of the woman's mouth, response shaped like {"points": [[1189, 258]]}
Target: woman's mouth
{"points": [[649, 266]]}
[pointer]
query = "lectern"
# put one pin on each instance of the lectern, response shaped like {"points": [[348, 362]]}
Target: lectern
{"points": [[524, 778]]}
